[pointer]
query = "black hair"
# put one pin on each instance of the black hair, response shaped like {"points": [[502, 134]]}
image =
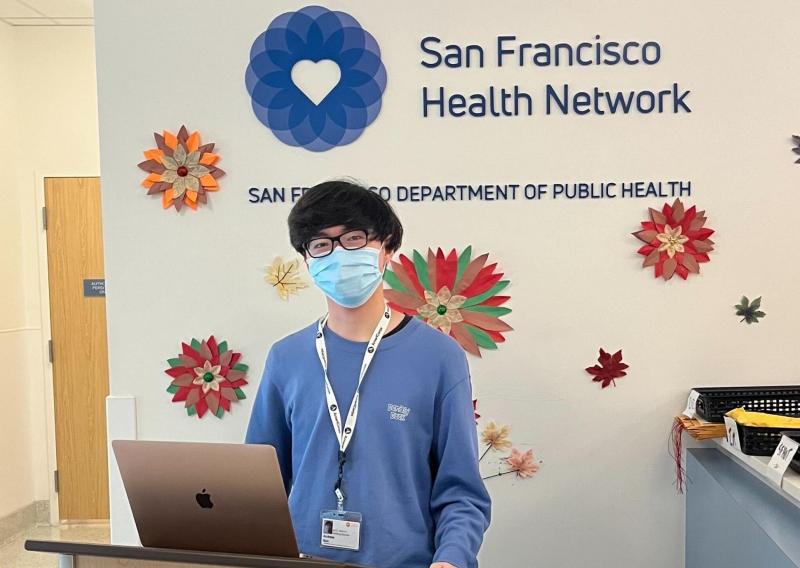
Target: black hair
{"points": [[341, 202]]}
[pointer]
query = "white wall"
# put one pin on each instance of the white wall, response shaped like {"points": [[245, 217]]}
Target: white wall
{"points": [[16, 467], [48, 121], [604, 495], [58, 133]]}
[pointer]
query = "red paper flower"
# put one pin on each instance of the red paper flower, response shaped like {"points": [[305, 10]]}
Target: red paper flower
{"points": [[610, 368], [453, 293], [676, 240], [207, 376]]}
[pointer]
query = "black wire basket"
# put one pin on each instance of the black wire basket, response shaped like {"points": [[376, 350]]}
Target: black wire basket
{"points": [[760, 441], [714, 402]]}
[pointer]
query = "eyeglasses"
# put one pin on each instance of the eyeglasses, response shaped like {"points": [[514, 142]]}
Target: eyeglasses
{"points": [[350, 240]]}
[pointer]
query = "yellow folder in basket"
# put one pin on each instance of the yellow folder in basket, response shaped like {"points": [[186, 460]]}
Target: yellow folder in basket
{"points": [[762, 420]]}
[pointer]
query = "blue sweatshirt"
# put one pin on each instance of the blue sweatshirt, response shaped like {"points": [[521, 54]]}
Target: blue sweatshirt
{"points": [[412, 465]]}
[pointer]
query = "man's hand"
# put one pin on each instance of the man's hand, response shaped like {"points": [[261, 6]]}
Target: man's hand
{"points": [[442, 565]]}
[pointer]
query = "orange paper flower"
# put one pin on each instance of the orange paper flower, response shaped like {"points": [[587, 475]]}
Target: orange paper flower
{"points": [[181, 169]]}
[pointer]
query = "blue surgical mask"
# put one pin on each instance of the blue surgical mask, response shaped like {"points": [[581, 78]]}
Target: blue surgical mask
{"points": [[348, 277]]}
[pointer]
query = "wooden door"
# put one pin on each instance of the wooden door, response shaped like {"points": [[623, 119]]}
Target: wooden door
{"points": [[79, 349]]}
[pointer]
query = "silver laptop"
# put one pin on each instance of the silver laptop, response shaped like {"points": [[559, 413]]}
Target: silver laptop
{"points": [[210, 497]]}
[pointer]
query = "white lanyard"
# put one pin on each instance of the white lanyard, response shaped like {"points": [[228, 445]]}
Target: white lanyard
{"points": [[345, 434]]}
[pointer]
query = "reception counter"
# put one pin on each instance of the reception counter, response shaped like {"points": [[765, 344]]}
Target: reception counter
{"points": [[79, 555], [735, 517]]}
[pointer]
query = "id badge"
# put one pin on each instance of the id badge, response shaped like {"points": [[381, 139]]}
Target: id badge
{"points": [[340, 529]]}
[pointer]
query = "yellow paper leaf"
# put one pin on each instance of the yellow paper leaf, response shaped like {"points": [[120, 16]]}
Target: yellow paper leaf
{"points": [[285, 277]]}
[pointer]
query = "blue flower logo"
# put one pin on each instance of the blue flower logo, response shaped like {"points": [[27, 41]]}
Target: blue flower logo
{"points": [[316, 34]]}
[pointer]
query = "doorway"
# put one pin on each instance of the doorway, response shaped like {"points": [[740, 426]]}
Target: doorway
{"points": [[78, 348]]}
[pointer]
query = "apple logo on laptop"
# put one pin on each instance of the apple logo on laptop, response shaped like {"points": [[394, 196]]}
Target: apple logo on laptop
{"points": [[204, 500]]}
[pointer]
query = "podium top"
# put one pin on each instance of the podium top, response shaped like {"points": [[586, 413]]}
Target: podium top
{"points": [[179, 556]]}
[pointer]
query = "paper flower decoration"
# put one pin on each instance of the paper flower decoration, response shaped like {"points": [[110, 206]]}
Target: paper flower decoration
{"points": [[496, 437], [676, 240], [750, 311], [523, 464], [285, 277], [454, 293], [610, 368], [207, 376], [181, 169], [796, 149]]}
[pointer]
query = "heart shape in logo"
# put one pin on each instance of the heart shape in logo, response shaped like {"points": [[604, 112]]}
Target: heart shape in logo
{"points": [[316, 79]]}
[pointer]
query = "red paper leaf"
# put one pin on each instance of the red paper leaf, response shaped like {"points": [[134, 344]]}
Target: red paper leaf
{"points": [[401, 274], [646, 235], [447, 277], [464, 337], [201, 407], [411, 272], [496, 336], [704, 233], [432, 271], [495, 301], [176, 372], [485, 279], [212, 399], [669, 268], [609, 369], [212, 346], [485, 321], [194, 355], [470, 272], [678, 211], [658, 217], [407, 301], [193, 396], [181, 395]]}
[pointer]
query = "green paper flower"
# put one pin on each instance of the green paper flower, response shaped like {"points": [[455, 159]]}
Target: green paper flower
{"points": [[749, 311], [453, 292], [207, 377]]}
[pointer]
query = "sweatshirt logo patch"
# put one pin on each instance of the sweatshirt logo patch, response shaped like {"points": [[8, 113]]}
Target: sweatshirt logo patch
{"points": [[398, 412]]}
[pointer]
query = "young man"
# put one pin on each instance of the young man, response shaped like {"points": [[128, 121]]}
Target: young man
{"points": [[370, 411]]}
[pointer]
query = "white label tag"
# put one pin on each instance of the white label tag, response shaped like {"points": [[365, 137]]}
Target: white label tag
{"points": [[691, 404], [732, 433], [341, 530], [781, 459]]}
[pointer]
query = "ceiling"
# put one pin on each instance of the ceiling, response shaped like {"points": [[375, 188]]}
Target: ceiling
{"points": [[46, 12]]}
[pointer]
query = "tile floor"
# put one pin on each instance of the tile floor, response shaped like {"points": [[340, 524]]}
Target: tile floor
{"points": [[14, 555]]}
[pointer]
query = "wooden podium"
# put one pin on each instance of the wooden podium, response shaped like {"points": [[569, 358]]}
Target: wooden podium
{"points": [[80, 555]]}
